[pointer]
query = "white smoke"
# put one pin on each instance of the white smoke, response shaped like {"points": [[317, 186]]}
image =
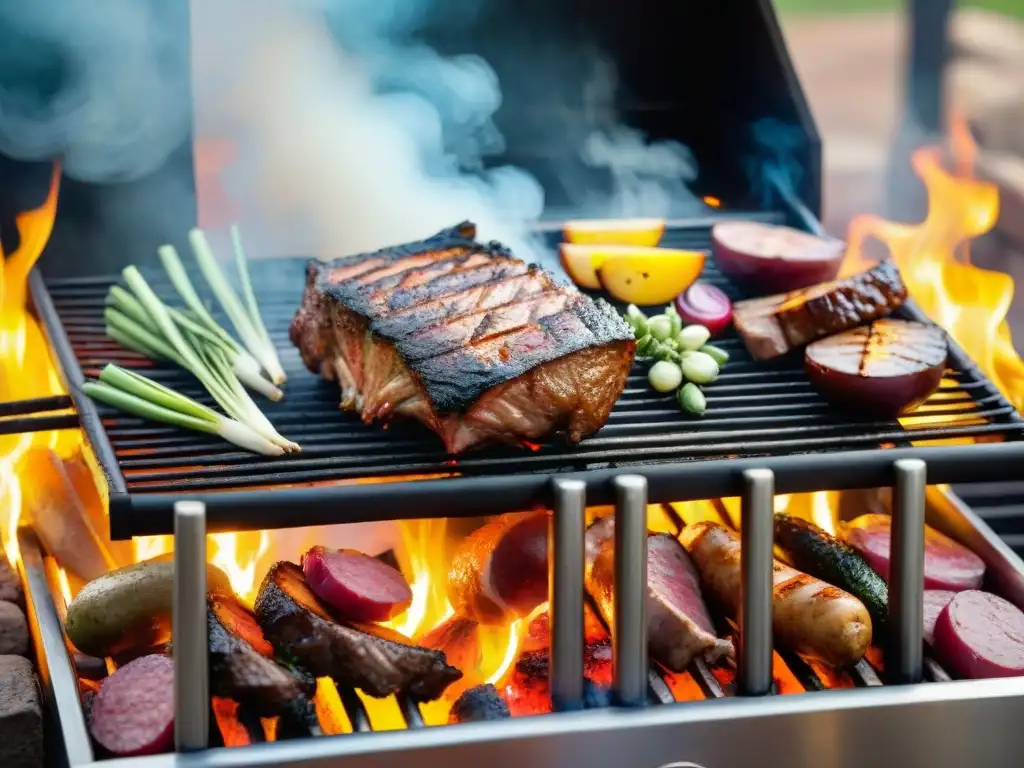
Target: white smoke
{"points": [[346, 132], [105, 87]]}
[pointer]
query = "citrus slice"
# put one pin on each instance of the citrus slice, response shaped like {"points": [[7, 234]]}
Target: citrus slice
{"points": [[581, 263], [646, 276], [640, 232]]}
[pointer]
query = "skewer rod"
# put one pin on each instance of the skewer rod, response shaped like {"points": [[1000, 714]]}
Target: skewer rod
{"points": [[629, 641], [757, 540], [189, 629], [566, 532], [905, 660]]}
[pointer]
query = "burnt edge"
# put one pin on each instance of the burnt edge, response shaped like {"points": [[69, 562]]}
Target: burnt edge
{"points": [[455, 379]]}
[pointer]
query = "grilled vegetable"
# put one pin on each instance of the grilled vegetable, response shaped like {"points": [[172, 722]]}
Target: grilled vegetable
{"points": [[133, 713], [947, 564], [646, 276], [886, 368], [773, 259], [129, 608], [815, 552], [978, 635], [640, 232], [706, 305]]}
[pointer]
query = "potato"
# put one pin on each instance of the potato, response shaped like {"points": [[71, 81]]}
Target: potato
{"points": [[129, 608]]}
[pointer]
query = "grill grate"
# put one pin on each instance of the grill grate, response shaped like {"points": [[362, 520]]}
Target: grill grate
{"points": [[754, 410]]}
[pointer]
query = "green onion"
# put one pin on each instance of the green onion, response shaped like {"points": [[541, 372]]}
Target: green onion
{"points": [[143, 397], [692, 400], [258, 345], [700, 368], [234, 400]]}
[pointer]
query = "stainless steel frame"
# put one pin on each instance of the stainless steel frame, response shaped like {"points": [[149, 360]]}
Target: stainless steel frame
{"points": [[930, 724]]}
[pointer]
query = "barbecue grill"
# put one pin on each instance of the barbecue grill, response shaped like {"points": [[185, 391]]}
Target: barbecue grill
{"points": [[766, 432]]}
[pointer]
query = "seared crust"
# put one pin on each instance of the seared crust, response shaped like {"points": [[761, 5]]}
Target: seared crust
{"points": [[773, 325], [368, 656], [433, 329]]}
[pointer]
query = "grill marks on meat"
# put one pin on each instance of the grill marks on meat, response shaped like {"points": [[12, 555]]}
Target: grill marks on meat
{"points": [[475, 344], [367, 656], [241, 667], [773, 325]]}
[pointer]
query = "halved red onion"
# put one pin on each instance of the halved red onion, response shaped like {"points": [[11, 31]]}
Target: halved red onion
{"points": [[704, 304], [769, 259], [884, 369]]}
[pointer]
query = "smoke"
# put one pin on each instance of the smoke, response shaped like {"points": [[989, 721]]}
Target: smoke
{"points": [[774, 168], [105, 88], [345, 131]]}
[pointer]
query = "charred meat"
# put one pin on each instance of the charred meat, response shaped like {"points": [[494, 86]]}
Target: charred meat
{"points": [[774, 325], [474, 343], [679, 627], [242, 666], [367, 656]]}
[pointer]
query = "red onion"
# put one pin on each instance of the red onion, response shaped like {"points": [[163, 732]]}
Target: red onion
{"points": [[706, 305]]}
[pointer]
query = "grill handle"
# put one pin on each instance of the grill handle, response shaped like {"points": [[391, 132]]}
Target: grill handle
{"points": [[629, 630], [566, 565], [189, 629], [757, 542], [905, 658]]}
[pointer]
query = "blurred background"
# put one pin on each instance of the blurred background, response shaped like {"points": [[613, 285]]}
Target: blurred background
{"points": [[853, 56]]}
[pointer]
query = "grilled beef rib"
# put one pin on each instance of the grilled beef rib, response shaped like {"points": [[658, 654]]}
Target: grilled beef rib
{"points": [[368, 656], [477, 345]]}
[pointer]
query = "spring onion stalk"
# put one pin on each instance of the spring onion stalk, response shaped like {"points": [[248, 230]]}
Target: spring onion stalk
{"points": [[142, 397], [250, 295], [179, 278], [236, 402], [259, 347], [133, 320]]}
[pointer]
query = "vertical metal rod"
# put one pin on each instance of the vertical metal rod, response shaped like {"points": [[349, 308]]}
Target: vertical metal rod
{"points": [[757, 540], [904, 660], [629, 633], [189, 629], [566, 531]]}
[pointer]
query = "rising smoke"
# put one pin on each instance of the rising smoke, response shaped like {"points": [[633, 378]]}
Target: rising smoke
{"points": [[348, 133]]}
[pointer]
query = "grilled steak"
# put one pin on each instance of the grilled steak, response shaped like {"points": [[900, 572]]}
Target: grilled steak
{"points": [[477, 345], [241, 663], [368, 656], [773, 325], [679, 627]]}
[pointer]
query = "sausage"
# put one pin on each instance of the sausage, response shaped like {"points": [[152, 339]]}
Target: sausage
{"points": [[501, 569], [810, 617], [133, 713]]}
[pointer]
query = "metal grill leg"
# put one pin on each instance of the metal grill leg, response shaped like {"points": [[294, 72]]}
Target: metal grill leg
{"points": [[629, 640], [905, 657], [757, 541], [189, 629], [565, 593]]}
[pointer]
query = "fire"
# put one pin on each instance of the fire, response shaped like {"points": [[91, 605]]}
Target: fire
{"points": [[26, 370], [971, 303], [239, 555]]}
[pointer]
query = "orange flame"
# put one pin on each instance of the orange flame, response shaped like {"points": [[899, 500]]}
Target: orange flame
{"points": [[26, 370], [971, 303]]}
